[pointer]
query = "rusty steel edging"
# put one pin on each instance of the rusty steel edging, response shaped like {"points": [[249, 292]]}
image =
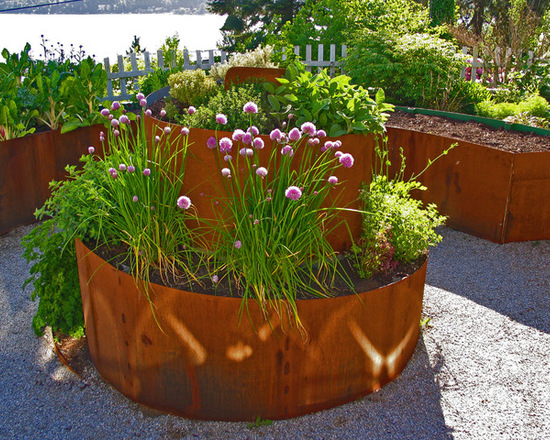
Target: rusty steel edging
{"points": [[207, 364]]}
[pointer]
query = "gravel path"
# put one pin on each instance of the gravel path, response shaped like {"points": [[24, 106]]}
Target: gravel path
{"points": [[481, 369]]}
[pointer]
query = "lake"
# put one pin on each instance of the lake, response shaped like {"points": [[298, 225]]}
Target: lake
{"points": [[108, 35]]}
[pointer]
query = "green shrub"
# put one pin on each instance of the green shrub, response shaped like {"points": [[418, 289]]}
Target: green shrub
{"points": [[229, 102], [535, 105], [190, 86], [500, 110], [404, 66]]}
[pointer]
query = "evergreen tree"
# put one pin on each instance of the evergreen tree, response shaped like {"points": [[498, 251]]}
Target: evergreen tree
{"points": [[248, 21]]}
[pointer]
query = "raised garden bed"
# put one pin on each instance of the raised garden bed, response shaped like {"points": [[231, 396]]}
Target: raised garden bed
{"points": [[494, 192], [30, 163]]}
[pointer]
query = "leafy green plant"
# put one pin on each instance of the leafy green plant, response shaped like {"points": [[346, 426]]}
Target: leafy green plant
{"points": [[330, 102], [396, 227], [73, 210], [51, 93]]}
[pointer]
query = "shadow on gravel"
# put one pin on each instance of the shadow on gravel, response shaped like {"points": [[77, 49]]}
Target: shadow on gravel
{"points": [[512, 279], [406, 409]]}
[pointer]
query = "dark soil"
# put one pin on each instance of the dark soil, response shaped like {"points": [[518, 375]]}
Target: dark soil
{"points": [[229, 288], [473, 132]]}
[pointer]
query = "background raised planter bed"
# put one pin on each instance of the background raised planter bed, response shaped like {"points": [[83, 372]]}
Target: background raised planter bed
{"points": [[498, 195], [30, 163], [205, 363]]}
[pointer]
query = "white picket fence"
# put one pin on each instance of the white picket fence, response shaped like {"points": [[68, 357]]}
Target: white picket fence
{"points": [[123, 84]]}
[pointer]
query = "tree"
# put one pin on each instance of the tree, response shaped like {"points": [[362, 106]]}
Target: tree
{"points": [[135, 46], [248, 21]]}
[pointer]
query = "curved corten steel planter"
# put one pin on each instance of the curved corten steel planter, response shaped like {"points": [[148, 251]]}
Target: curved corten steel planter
{"points": [[30, 163], [206, 364], [497, 195]]}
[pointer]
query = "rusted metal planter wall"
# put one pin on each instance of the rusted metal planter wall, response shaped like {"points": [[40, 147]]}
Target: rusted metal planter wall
{"points": [[206, 364], [28, 164], [497, 195]]}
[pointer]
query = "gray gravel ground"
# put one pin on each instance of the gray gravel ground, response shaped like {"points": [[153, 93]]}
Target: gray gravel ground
{"points": [[480, 371]]}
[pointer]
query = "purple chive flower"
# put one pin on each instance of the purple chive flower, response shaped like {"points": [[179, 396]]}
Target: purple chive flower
{"points": [[347, 160], [215, 279], [148, 112], [146, 172], [91, 150], [238, 135], [327, 146], [184, 131], [212, 143], [262, 172], [237, 244], [256, 222], [184, 202], [293, 193], [247, 138], [114, 175], [162, 113], [338, 154], [287, 150], [101, 136], [142, 102], [124, 119], [337, 144], [253, 130], [131, 168], [122, 167], [114, 123], [333, 180], [227, 157], [221, 119], [167, 130], [275, 135], [290, 116], [112, 171], [250, 107], [157, 139], [116, 133], [294, 134], [135, 199], [191, 110], [225, 145], [226, 172], [115, 105], [321, 133], [105, 112], [111, 117], [246, 152], [258, 143], [140, 96], [309, 128]]}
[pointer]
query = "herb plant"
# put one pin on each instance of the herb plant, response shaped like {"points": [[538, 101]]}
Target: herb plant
{"points": [[276, 213], [396, 227]]}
